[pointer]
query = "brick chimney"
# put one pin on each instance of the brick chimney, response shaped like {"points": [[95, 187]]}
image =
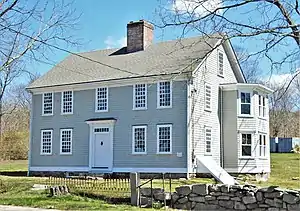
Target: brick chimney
{"points": [[139, 35]]}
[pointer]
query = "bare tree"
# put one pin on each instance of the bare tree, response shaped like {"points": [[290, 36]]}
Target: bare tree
{"points": [[272, 26]]}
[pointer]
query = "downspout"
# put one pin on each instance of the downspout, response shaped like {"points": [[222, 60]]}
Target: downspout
{"points": [[30, 134], [221, 129]]}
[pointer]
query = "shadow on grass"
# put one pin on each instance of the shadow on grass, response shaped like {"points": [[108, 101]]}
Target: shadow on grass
{"points": [[108, 199]]}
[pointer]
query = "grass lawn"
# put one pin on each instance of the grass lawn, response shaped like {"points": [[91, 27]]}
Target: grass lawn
{"points": [[14, 165], [285, 171]]}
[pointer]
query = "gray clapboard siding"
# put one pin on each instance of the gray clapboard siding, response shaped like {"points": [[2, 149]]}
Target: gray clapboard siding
{"points": [[120, 107]]}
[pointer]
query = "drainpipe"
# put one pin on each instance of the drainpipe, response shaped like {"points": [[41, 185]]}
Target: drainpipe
{"points": [[221, 129]]}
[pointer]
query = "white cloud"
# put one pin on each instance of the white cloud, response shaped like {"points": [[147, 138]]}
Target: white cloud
{"points": [[111, 42], [282, 80], [196, 7]]}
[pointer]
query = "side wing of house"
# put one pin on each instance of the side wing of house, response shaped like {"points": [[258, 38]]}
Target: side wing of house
{"points": [[204, 103]]}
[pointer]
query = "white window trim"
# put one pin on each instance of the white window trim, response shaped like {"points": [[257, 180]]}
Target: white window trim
{"points": [[241, 145], [239, 104], [265, 146], [218, 64], [60, 138], [157, 95], [133, 140], [157, 138], [96, 100], [43, 112], [146, 98], [210, 102], [262, 107], [41, 150], [62, 103], [207, 153]]}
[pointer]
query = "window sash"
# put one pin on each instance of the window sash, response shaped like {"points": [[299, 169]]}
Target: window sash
{"points": [[208, 90], [208, 140], [67, 102], [245, 103], [246, 145], [139, 96], [262, 108], [102, 99], [262, 145], [47, 104], [46, 142], [164, 139], [164, 94], [139, 139], [66, 136], [221, 63]]}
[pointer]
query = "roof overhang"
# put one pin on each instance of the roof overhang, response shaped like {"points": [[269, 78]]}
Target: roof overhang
{"points": [[239, 86]]}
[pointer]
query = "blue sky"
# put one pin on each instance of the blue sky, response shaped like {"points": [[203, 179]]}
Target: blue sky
{"points": [[103, 24]]}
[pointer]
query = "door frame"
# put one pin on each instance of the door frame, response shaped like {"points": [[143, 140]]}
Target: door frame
{"points": [[101, 123]]}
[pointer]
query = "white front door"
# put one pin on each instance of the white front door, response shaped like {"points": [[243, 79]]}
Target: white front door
{"points": [[102, 148]]}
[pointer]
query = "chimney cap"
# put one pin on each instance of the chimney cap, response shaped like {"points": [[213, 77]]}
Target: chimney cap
{"points": [[141, 21]]}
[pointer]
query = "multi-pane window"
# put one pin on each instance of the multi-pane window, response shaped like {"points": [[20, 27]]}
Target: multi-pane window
{"points": [[208, 139], [46, 142], [101, 130], [207, 92], [262, 106], [245, 103], [67, 102], [164, 94], [140, 96], [246, 145], [164, 139], [102, 99], [139, 139], [48, 103], [66, 141], [262, 145], [221, 63]]}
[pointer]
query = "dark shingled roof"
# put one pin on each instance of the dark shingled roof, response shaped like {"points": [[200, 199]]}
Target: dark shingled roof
{"points": [[158, 59]]}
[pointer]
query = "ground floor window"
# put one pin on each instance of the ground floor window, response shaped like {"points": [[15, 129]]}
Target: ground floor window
{"points": [[164, 139], [262, 145], [139, 137], [66, 141], [246, 145], [46, 142], [208, 140]]}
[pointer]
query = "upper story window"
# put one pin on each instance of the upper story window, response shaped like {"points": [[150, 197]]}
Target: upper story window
{"points": [[220, 63], [139, 139], [245, 103], [246, 144], [207, 92], [46, 142], [140, 96], [208, 139], [66, 141], [102, 99], [67, 102], [164, 94], [164, 139], [48, 104], [262, 145], [262, 108]]}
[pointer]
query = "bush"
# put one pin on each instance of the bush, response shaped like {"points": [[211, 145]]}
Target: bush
{"points": [[14, 145]]}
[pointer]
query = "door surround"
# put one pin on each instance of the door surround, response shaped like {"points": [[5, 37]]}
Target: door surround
{"points": [[94, 123]]}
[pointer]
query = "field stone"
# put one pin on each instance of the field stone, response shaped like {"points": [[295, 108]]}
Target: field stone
{"points": [[214, 188], [273, 195], [273, 209], [215, 193], [210, 198], [145, 191], [236, 199], [184, 190], [200, 189], [223, 197], [268, 189], [185, 206], [182, 200], [289, 198], [162, 196], [225, 189], [259, 196], [197, 199], [249, 199], [264, 205], [252, 206], [213, 202], [226, 204], [293, 207], [175, 197], [270, 202], [200, 206], [239, 205]]}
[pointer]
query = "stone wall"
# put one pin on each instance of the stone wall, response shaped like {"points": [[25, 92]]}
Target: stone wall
{"points": [[223, 197]]}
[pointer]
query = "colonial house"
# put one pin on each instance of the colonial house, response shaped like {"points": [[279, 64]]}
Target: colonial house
{"points": [[149, 107]]}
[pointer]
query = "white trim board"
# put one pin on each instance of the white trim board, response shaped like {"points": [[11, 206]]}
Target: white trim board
{"points": [[87, 169]]}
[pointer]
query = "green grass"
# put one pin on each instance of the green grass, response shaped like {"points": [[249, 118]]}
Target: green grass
{"points": [[285, 169], [14, 165]]}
